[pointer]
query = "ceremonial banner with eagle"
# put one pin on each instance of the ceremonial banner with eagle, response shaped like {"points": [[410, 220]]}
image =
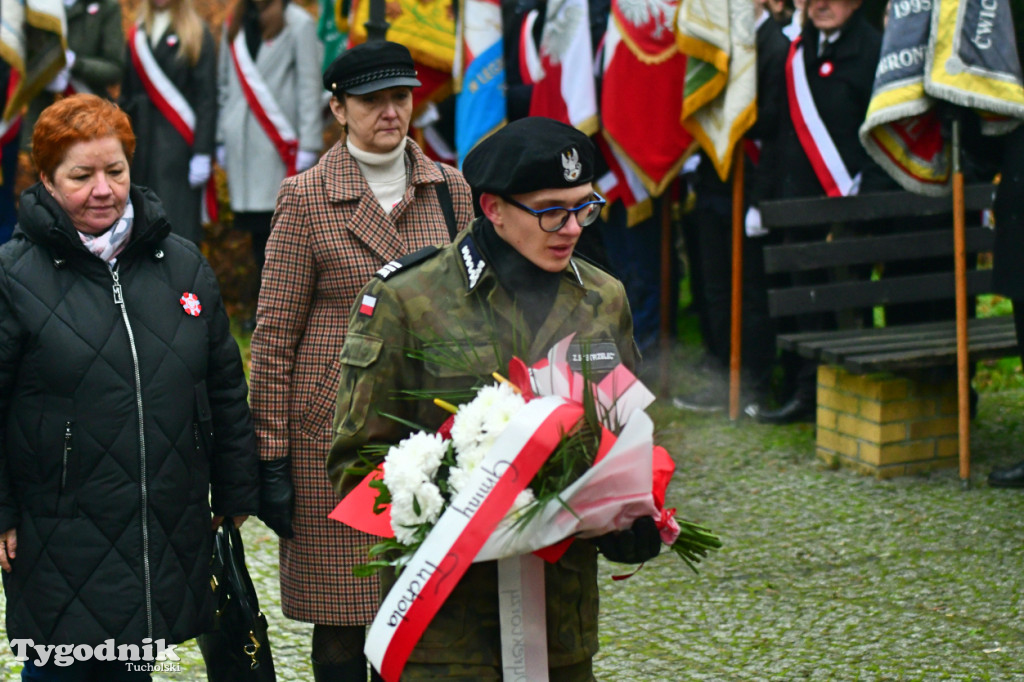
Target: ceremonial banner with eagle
{"points": [[33, 38], [642, 92], [959, 52], [720, 92], [561, 68]]}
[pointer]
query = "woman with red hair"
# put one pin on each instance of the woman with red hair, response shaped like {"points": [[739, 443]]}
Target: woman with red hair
{"points": [[123, 408]]}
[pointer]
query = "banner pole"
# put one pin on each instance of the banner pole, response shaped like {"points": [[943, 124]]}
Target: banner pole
{"points": [[667, 253], [377, 23], [736, 330], [962, 348]]}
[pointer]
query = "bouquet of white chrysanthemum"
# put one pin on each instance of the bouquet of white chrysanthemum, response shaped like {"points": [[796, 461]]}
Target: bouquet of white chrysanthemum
{"points": [[603, 471], [518, 472]]}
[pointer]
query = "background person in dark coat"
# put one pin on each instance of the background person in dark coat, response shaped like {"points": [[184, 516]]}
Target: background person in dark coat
{"points": [[713, 217], [840, 56], [184, 49], [95, 57], [1008, 251], [122, 405]]}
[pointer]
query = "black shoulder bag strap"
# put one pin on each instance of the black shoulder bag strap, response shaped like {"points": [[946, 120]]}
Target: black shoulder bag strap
{"points": [[445, 198]]}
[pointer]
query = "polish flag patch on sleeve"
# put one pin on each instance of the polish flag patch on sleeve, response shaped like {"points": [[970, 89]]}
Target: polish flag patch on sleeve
{"points": [[368, 304]]}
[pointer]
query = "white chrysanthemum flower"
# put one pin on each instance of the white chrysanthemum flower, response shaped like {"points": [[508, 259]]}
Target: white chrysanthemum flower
{"points": [[477, 425], [404, 518], [457, 479], [409, 470], [416, 457], [523, 500], [486, 416]]}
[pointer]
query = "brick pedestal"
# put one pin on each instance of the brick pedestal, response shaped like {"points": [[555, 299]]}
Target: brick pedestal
{"points": [[884, 424]]}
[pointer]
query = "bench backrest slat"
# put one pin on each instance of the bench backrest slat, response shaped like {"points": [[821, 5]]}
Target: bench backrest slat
{"points": [[861, 294], [870, 250], [802, 213]]}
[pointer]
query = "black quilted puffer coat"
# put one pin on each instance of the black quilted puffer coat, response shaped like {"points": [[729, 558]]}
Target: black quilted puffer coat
{"points": [[120, 413]]}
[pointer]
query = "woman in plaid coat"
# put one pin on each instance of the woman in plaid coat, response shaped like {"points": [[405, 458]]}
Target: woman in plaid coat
{"points": [[370, 200]]}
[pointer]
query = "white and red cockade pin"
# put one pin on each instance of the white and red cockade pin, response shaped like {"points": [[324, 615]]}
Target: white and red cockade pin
{"points": [[172, 40], [190, 302], [826, 69], [93, 8], [368, 304]]}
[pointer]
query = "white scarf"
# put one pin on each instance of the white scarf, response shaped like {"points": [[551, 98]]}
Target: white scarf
{"points": [[107, 245]]}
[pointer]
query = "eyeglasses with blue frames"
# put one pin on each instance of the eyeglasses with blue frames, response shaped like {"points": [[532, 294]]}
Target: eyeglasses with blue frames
{"points": [[554, 219]]}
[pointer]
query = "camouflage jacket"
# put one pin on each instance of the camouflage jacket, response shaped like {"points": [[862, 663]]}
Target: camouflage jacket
{"points": [[440, 322]]}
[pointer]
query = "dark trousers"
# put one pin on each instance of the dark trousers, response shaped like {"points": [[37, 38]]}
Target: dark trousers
{"points": [[714, 252], [578, 672], [83, 671], [695, 273], [635, 256], [1018, 323], [257, 224], [9, 168]]}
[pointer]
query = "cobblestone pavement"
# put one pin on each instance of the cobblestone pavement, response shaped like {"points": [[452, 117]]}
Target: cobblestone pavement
{"points": [[825, 575]]}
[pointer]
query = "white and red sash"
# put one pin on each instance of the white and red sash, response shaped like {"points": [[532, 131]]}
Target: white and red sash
{"points": [[810, 129], [9, 129], [77, 86], [261, 101], [167, 98]]}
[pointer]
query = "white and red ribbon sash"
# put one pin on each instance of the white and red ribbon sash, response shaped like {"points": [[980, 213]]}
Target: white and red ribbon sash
{"points": [[77, 86], [167, 98], [752, 150], [524, 646], [209, 211], [9, 130], [443, 558], [263, 105], [810, 129]]}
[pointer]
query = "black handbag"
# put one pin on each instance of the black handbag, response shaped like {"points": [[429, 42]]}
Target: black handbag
{"points": [[237, 650]]}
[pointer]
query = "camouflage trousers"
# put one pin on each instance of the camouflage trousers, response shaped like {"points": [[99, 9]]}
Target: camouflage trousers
{"points": [[455, 672]]}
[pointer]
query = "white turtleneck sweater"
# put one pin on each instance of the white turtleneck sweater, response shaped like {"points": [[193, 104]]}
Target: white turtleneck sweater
{"points": [[384, 173], [161, 21]]}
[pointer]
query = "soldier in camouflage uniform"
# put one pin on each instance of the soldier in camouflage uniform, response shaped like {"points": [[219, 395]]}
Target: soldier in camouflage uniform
{"points": [[440, 320]]}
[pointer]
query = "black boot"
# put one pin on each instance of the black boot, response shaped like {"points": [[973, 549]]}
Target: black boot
{"points": [[1009, 477], [798, 409], [349, 671]]}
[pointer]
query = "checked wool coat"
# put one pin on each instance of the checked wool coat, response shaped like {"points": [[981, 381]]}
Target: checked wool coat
{"points": [[329, 236]]}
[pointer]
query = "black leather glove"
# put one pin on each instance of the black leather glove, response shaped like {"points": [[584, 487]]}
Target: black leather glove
{"points": [[277, 495], [634, 545]]}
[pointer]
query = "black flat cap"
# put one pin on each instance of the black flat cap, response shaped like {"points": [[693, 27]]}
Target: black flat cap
{"points": [[369, 67], [530, 154]]}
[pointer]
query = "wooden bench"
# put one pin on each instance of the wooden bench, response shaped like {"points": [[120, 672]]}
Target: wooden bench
{"points": [[882, 406]]}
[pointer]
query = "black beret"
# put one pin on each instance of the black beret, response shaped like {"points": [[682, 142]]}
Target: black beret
{"points": [[369, 67], [528, 155]]}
